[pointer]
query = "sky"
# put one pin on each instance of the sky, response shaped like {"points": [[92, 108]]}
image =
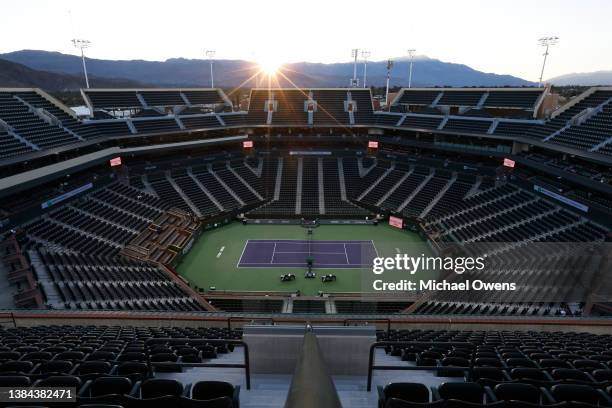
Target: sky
{"points": [[488, 35]]}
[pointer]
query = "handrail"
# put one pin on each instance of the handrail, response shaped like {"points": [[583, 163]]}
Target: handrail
{"points": [[388, 321], [311, 385], [247, 319], [246, 365], [10, 316], [379, 344]]}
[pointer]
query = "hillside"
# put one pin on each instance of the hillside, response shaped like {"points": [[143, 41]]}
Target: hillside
{"points": [[16, 75], [231, 73], [584, 79]]}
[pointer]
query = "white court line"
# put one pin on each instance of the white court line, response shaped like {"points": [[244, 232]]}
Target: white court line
{"points": [[273, 253], [375, 250], [345, 254], [299, 265], [309, 252], [294, 241], [242, 254]]}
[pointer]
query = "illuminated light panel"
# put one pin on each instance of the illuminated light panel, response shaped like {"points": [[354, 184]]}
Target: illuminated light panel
{"points": [[509, 163], [396, 222]]}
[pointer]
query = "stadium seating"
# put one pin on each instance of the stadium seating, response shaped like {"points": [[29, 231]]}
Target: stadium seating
{"points": [[330, 107], [290, 107], [285, 205], [11, 146], [310, 187], [166, 191], [418, 97], [512, 128], [511, 367], [387, 118], [550, 127], [257, 114], [214, 186], [114, 99], [421, 122], [195, 194], [203, 96], [162, 98], [364, 113], [93, 282], [116, 364], [460, 98], [332, 188], [515, 99], [199, 122], [237, 119], [589, 134], [156, 125], [472, 126], [30, 126]]}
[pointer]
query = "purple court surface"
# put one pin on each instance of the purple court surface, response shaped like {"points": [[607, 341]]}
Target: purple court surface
{"points": [[266, 253]]}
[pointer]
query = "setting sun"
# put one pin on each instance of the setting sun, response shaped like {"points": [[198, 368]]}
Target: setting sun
{"points": [[269, 66]]}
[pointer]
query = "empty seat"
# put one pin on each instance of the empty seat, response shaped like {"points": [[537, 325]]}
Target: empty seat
{"points": [[467, 391], [209, 390], [413, 392], [158, 387]]}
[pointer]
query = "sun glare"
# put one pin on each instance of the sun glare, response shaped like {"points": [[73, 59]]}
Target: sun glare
{"points": [[269, 67]]}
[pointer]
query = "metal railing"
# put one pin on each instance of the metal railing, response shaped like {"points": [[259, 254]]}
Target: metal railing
{"points": [[381, 344], [248, 320], [10, 317], [347, 322], [169, 340]]}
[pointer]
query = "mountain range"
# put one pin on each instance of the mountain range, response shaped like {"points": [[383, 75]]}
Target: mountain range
{"points": [[584, 79], [57, 71], [232, 73], [14, 75]]}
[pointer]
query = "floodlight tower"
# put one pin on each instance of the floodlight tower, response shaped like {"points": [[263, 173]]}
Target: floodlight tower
{"points": [[389, 66], [411, 56], [355, 54], [82, 44], [546, 42], [211, 54], [365, 55]]}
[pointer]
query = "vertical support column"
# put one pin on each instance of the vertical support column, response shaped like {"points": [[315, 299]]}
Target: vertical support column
{"points": [[321, 186], [298, 187]]}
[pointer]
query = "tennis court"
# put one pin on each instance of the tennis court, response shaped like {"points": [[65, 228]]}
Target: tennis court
{"points": [[285, 253]]}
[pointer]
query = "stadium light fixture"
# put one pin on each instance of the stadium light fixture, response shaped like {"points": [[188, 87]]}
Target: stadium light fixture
{"points": [[210, 54], [355, 54], [365, 55], [82, 44], [389, 66], [411, 56], [546, 42]]}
